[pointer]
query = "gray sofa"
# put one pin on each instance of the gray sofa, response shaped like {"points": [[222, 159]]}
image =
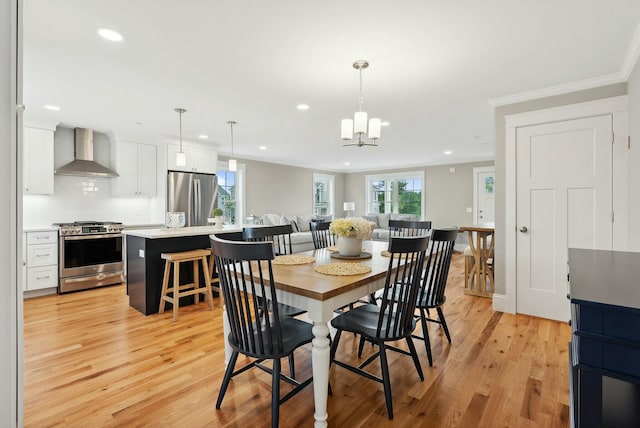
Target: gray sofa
{"points": [[301, 239]]}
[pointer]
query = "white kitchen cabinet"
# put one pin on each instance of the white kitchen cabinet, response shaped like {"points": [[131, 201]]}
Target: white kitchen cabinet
{"points": [[198, 159], [41, 260], [37, 161], [136, 164]]}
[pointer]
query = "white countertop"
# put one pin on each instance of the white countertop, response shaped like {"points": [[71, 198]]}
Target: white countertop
{"points": [[167, 232]]}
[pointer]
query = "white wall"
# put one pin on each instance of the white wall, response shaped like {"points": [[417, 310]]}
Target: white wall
{"points": [[10, 304], [634, 159]]}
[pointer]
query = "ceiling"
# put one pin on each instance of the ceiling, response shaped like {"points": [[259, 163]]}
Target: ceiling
{"points": [[434, 67]]}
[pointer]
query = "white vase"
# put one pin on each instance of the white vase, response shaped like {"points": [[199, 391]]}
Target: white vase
{"points": [[349, 246], [218, 222]]}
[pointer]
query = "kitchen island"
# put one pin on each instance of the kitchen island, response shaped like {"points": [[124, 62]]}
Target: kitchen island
{"points": [[145, 267]]}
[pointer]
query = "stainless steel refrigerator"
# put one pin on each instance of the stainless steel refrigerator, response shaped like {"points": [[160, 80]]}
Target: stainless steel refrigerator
{"points": [[194, 194]]}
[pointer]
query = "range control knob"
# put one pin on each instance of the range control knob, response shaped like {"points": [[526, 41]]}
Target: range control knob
{"points": [[63, 232]]}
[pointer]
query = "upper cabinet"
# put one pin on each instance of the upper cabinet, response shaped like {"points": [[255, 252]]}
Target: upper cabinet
{"points": [[136, 164], [198, 159], [37, 161]]}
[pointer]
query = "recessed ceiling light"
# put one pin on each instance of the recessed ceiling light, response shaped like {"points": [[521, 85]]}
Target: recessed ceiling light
{"points": [[302, 106], [448, 152], [385, 123], [263, 147], [52, 107], [347, 163], [203, 136], [111, 35]]}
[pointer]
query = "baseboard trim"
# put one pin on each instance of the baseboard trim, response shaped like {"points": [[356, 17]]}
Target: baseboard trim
{"points": [[500, 302]]}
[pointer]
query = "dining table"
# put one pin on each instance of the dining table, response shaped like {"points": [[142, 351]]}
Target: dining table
{"points": [[320, 294], [480, 280]]}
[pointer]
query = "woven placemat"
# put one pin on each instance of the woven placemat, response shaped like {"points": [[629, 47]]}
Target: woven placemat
{"points": [[340, 269], [293, 259], [385, 253]]}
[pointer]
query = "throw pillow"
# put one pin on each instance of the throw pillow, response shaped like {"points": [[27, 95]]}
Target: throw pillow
{"points": [[292, 220], [322, 218], [373, 218], [383, 220], [271, 219], [303, 223]]}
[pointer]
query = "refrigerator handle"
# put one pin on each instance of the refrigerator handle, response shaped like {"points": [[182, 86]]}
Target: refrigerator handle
{"points": [[197, 197]]}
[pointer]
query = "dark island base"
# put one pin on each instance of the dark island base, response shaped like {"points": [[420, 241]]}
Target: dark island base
{"points": [[145, 269]]}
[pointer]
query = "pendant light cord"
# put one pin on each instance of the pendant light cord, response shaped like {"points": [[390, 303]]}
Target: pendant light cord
{"points": [[231, 123]]}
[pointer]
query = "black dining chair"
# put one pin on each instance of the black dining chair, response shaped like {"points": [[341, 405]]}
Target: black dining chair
{"points": [[403, 228], [280, 235], [258, 337], [322, 236], [394, 318], [434, 283]]}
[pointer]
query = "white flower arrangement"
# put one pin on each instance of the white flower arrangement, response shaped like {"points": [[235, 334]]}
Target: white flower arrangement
{"points": [[354, 227]]}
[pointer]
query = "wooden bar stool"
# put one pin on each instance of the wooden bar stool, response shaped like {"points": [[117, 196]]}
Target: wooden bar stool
{"points": [[191, 289]]}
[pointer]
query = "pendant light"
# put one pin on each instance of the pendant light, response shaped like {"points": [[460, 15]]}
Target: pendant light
{"points": [[181, 157], [359, 124], [233, 164]]}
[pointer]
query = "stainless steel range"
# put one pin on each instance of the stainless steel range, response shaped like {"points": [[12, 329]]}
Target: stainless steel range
{"points": [[90, 255]]}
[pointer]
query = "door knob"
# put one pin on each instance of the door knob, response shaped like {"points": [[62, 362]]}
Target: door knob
{"points": [[523, 229]]}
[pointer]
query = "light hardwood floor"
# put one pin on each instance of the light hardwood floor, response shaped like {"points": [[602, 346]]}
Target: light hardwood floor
{"points": [[90, 360]]}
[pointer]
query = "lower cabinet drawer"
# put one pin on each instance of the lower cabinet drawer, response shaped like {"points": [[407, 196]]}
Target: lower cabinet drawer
{"points": [[42, 255], [609, 355], [42, 277]]}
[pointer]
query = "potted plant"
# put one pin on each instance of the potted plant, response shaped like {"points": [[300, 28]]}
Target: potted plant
{"points": [[350, 232], [217, 216]]}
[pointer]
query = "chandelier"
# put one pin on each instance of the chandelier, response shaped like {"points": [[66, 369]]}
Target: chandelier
{"points": [[359, 124]]}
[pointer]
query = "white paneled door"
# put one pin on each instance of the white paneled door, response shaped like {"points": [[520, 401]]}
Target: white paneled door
{"points": [[564, 199]]}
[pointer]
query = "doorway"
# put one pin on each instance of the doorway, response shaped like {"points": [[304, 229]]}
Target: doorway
{"points": [[484, 195], [564, 199], [565, 178]]}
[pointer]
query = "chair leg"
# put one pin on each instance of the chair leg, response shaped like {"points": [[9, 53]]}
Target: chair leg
{"points": [[196, 282], [227, 378], [425, 336], [165, 284], [334, 346], [207, 281], [360, 346], [292, 366], [385, 379], [176, 290], [275, 393], [414, 355], [443, 323]]}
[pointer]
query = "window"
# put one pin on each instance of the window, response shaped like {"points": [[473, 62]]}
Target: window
{"points": [[231, 192], [399, 193], [323, 199]]}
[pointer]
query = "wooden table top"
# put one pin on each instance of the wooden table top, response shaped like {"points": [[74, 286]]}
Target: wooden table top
{"points": [[303, 280], [484, 227]]}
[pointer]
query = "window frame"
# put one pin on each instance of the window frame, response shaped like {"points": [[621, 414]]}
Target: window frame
{"points": [[240, 172], [331, 203], [394, 176]]}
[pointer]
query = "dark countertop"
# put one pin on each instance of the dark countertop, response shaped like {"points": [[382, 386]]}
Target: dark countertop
{"points": [[609, 277]]}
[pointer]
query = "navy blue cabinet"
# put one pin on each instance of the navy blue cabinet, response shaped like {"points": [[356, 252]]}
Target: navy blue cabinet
{"points": [[605, 344]]}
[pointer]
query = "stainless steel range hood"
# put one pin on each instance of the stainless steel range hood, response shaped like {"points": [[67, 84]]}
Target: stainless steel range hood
{"points": [[83, 165]]}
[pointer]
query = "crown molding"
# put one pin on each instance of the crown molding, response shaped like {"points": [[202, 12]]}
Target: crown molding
{"points": [[632, 55], [566, 88]]}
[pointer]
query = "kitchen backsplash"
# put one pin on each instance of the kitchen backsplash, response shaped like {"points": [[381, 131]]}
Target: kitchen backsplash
{"points": [[89, 198]]}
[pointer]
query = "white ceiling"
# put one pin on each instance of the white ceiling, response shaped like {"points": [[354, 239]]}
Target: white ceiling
{"points": [[434, 67]]}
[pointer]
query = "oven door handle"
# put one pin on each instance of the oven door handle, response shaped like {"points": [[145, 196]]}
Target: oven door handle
{"points": [[85, 237]]}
